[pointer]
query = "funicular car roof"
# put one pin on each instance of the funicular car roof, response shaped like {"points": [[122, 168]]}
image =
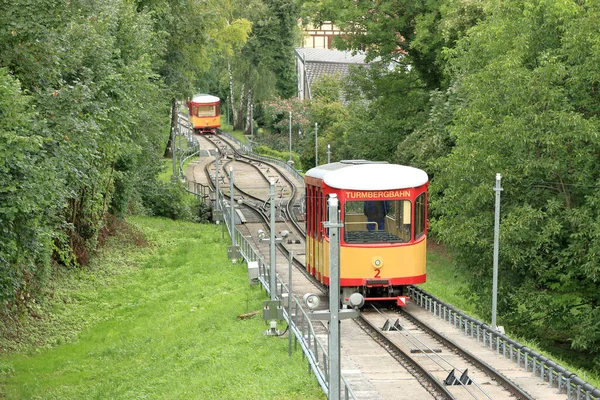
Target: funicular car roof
{"points": [[205, 98], [368, 175]]}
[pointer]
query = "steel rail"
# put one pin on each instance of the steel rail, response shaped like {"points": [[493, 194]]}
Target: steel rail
{"points": [[251, 161], [549, 371], [300, 324], [425, 378], [496, 375]]}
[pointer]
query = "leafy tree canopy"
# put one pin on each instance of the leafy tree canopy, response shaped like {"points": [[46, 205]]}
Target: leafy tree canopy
{"points": [[90, 119], [527, 76]]}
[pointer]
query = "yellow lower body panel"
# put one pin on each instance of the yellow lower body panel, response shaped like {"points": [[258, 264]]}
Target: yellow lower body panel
{"points": [[206, 123], [397, 265]]}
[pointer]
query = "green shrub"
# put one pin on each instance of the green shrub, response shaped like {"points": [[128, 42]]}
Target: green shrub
{"points": [[30, 195], [280, 155], [170, 200]]}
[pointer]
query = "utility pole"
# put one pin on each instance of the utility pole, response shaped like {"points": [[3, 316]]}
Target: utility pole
{"points": [[290, 299], [272, 309], [497, 189], [216, 213], [316, 144], [234, 250], [290, 136], [273, 278], [232, 208], [334, 314], [334, 300]]}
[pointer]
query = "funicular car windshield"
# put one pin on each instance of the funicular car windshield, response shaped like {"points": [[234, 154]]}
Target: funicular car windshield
{"points": [[377, 221], [204, 110]]}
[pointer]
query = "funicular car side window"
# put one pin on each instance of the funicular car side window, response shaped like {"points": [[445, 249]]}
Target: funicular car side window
{"points": [[326, 219], [326, 211], [420, 216]]}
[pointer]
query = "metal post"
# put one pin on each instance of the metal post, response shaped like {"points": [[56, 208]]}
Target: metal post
{"points": [[334, 300], [497, 189], [173, 151], [272, 280], [290, 136], [328, 154], [217, 181], [232, 207], [334, 314], [234, 250], [290, 301], [178, 133], [316, 145]]}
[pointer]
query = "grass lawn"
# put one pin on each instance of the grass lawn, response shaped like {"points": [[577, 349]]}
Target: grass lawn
{"points": [[157, 322], [445, 280]]}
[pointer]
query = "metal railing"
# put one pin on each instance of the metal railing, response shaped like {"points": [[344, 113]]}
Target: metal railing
{"points": [[540, 366], [199, 189], [182, 130], [299, 323]]}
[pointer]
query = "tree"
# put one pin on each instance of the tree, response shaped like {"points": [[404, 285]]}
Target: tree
{"points": [[385, 107], [278, 36], [432, 139], [182, 31], [399, 31], [521, 76], [229, 32], [331, 115], [94, 99], [406, 43], [28, 200], [265, 67]]}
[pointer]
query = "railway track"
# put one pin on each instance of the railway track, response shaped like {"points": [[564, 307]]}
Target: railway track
{"points": [[407, 344], [449, 368], [255, 197]]}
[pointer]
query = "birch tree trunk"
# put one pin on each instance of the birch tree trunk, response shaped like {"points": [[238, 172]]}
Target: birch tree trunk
{"points": [[234, 113], [239, 123], [248, 115]]}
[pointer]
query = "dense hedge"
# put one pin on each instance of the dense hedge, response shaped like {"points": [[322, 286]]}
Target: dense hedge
{"points": [[280, 155], [84, 118]]}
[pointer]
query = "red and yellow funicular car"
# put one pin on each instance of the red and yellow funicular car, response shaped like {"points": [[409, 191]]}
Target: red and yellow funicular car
{"points": [[383, 209], [205, 113]]}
